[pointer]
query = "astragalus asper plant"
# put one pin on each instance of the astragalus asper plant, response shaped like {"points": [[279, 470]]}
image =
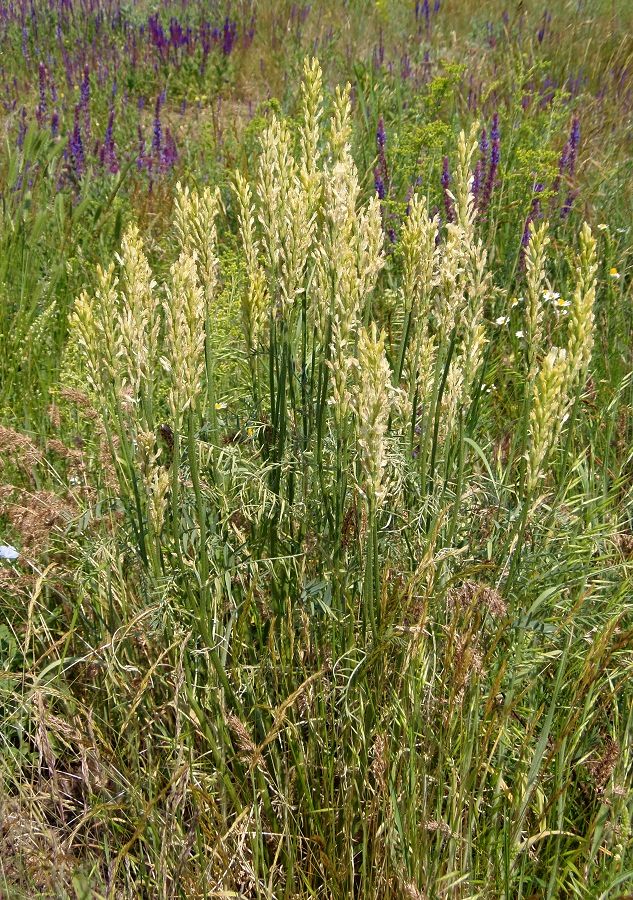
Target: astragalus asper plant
{"points": [[345, 552]]}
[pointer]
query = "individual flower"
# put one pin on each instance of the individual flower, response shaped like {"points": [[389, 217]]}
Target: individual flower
{"points": [[561, 305]]}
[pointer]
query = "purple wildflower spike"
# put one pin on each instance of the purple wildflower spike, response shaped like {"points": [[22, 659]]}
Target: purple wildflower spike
{"points": [[229, 36], [484, 145], [379, 184], [21, 128], [169, 155], [381, 143], [567, 205], [40, 112], [107, 153], [476, 186], [495, 156], [157, 36], [84, 102], [76, 147], [574, 140], [157, 136], [381, 135], [141, 159], [249, 34]]}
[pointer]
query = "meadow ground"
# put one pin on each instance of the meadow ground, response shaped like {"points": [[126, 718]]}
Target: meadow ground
{"points": [[316, 457]]}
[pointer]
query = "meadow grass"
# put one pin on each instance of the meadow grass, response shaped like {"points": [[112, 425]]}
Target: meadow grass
{"points": [[315, 451]]}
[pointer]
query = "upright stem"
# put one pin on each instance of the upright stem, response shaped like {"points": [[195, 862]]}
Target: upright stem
{"points": [[370, 587]]}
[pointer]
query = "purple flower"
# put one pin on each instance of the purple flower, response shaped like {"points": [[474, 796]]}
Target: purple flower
{"points": [[249, 34], [76, 147], [21, 128], [107, 154], [158, 131], [567, 205], [381, 143], [476, 186], [177, 35], [157, 36], [40, 112], [55, 124], [379, 184], [205, 38], [568, 157], [84, 102], [381, 135], [495, 156], [229, 36], [574, 140], [495, 134], [169, 155], [547, 18], [484, 145]]}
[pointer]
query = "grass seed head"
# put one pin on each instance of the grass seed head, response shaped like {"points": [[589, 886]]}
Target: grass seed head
{"points": [[373, 405]]}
